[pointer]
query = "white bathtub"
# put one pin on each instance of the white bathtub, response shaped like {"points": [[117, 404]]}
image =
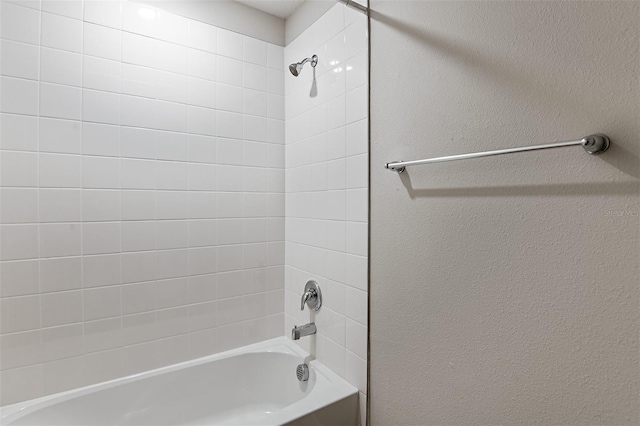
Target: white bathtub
{"points": [[252, 385]]}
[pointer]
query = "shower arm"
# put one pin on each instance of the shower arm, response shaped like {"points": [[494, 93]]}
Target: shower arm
{"points": [[305, 60]]}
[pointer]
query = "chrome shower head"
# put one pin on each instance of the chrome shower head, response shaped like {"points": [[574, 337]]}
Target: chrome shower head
{"points": [[297, 67]]}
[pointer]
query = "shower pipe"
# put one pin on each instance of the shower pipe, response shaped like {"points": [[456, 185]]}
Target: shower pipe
{"points": [[354, 5]]}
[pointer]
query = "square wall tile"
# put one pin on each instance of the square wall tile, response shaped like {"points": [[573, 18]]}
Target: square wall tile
{"points": [[101, 74], [60, 274], [171, 116], [138, 205], [138, 143], [139, 50], [202, 93], [138, 174], [102, 303], [19, 242], [19, 313], [138, 80], [100, 172], [61, 308], [230, 125], [172, 263], [19, 169], [230, 44], [21, 349], [100, 139], [102, 107], [19, 96], [230, 71], [138, 236], [19, 205], [60, 67], [101, 270], [18, 132], [60, 239], [106, 13], [171, 87], [202, 36], [100, 205], [60, 171], [60, 136], [19, 60], [101, 238], [102, 335], [173, 204], [202, 149], [20, 384], [254, 51], [62, 375], [202, 121], [172, 59], [102, 42], [62, 342], [255, 77], [65, 8], [61, 32], [103, 366], [201, 64], [230, 98], [20, 24], [60, 205], [138, 267], [60, 101], [275, 56], [138, 112], [140, 19]]}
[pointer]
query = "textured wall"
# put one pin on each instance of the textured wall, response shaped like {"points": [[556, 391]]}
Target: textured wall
{"points": [[142, 199], [504, 290]]}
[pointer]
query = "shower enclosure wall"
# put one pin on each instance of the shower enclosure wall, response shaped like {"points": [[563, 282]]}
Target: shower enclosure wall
{"points": [[142, 200], [142, 192], [327, 189]]}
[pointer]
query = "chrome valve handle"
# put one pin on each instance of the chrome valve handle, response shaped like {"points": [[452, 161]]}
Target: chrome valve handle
{"points": [[312, 296]]}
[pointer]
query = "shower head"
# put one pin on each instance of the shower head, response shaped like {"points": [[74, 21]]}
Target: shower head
{"points": [[297, 67]]}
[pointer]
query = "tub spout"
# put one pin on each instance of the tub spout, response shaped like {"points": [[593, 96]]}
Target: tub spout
{"points": [[303, 330]]}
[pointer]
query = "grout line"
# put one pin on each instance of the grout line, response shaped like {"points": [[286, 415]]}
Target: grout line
{"points": [[39, 189], [82, 177]]}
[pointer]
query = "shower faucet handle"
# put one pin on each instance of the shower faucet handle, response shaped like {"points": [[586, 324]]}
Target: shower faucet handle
{"points": [[312, 296]]}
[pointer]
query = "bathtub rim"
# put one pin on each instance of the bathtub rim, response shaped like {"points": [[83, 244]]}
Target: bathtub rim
{"points": [[335, 387]]}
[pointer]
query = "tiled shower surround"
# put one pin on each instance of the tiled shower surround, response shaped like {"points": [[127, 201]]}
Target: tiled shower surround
{"points": [[327, 190], [142, 201]]}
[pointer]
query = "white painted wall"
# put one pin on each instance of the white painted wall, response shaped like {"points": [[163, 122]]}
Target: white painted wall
{"points": [[504, 290], [142, 199], [304, 16], [327, 190], [230, 15]]}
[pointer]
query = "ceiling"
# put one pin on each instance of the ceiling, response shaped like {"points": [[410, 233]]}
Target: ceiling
{"points": [[280, 8]]}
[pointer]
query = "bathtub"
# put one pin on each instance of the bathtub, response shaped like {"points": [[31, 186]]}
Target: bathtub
{"points": [[252, 385]]}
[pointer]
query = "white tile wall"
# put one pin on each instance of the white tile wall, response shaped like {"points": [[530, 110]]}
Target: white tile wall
{"points": [[142, 192], [327, 190]]}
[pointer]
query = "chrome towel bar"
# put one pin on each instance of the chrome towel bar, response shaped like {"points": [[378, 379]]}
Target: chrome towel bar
{"points": [[593, 144]]}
